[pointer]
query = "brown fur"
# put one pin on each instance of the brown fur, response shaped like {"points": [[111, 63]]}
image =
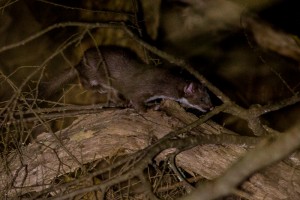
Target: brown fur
{"points": [[117, 71]]}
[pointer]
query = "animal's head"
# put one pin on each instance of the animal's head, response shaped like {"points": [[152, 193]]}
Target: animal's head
{"points": [[196, 96]]}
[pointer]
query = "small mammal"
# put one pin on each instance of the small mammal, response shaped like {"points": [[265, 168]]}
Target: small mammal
{"points": [[117, 71]]}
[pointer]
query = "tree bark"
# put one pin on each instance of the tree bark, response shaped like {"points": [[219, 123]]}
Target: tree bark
{"points": [[120, 132]]}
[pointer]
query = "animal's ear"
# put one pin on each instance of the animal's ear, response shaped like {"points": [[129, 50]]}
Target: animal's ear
{"points": [[189, 89]]}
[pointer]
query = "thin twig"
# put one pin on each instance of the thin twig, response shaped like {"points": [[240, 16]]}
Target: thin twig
{"points": [[87, 10], [60, 25]]}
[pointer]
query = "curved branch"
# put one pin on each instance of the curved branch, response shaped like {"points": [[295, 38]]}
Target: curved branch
{"points": [[60, 25], [273, 150]]}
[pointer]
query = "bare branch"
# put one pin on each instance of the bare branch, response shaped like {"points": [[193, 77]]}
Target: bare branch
{"points": [[265, 154], [60, 25], [87, 10]]}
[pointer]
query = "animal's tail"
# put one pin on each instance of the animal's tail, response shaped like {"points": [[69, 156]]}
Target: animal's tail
{"points": [[48, 89]]}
